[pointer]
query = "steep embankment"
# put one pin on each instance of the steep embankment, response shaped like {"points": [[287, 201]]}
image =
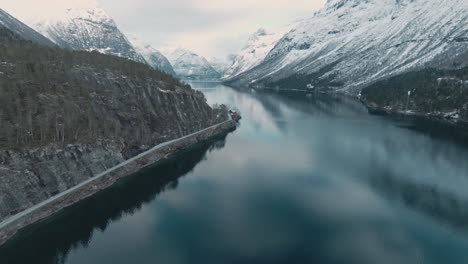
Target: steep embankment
{"points": [[69, 115]]}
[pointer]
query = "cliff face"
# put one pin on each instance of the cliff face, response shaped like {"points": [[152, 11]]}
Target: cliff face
{"points": [[28, 177], [136, 192], [68, 115]]}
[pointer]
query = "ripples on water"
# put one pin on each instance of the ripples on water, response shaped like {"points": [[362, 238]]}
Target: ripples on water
{"points": [[303, 180]]}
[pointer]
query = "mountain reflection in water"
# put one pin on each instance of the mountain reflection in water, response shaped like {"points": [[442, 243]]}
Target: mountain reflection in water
{"points": [[304, 179]]}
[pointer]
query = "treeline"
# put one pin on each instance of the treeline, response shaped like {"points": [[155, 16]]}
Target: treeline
{"points": [[29, 57], [428, 90]]}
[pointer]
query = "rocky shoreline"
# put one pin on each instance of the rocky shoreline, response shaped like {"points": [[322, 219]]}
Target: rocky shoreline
{"points": [[88, 188]]}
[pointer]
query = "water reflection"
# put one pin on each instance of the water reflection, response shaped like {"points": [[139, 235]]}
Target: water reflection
{"points": [[304, 179], [432, 181], [51, 241]]}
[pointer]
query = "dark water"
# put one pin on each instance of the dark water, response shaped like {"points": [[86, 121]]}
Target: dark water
{"points": [[303, 180]]}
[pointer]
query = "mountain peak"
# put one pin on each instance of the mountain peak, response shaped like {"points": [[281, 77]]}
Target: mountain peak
{"points": [[189, 65], [61, 10], [339, 4], [91, 12], [178, 52], [254, 52], [261, 32], [84, 25]]}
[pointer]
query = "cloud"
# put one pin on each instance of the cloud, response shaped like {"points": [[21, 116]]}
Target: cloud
{"points": [[209, 27]]}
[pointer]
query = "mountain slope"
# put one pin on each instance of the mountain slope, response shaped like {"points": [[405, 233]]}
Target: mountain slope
{"points": [[257, 48], [21, 30], [87, 27], [153, 57], [191, 66], [350, 44]]}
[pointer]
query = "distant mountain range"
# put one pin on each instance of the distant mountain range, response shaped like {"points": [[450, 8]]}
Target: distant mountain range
{"points": [[221, 65], [153, 57], [191, 66], [86, 26]]}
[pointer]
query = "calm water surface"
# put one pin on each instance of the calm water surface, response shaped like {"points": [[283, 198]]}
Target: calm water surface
{"points": [[304, 179]]}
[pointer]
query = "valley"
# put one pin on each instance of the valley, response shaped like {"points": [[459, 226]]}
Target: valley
{"points": [[163, 132]]}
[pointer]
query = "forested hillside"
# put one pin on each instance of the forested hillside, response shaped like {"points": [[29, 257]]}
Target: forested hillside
{"points": [[67, 116], [54, 95], [442, 93]]}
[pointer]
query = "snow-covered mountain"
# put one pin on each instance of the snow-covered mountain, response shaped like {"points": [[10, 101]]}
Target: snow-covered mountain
{"points": [[153, 57], [191, 66], [352, 43], [221, 65], [86, 27], [257, 48], [21, 30]]}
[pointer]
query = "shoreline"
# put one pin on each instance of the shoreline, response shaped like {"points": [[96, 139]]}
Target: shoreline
{"points": [[458, 123], [437, 126], [11, 226], [440, 119]]}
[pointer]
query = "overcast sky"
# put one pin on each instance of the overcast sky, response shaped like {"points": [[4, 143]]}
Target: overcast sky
{"points": [[209, 27]]}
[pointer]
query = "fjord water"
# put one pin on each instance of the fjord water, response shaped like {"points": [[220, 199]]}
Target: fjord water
{"points": [[304, 179]]}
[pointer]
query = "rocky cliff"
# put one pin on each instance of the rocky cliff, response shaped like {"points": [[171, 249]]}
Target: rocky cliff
{"points": [[68, 115], [107, 206]]}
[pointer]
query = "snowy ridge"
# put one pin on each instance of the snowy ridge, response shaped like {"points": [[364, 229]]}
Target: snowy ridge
{"points": [[87, 27], [258, 46], [153, 57], [356, 42], [191, 66], [14, 25], [221, 65]]}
